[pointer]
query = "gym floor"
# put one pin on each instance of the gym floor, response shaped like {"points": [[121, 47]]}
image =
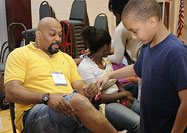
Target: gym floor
{"points": [[5, 121]]}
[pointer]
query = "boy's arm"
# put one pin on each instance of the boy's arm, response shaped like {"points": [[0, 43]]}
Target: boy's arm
{"points": [[124, 72], [181, 118]]}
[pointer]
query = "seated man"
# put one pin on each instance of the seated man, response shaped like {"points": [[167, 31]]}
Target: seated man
{"points": [[41, 80]]}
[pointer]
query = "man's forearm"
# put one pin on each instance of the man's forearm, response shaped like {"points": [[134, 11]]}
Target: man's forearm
{"points": [[16, 93], [78, 85]]}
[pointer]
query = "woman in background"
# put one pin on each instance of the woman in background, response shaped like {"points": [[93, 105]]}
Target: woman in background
{"points": [[125, 47]]}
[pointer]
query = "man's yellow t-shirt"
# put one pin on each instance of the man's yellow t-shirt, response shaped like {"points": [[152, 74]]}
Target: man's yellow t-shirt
{"points": [[33, 67]]}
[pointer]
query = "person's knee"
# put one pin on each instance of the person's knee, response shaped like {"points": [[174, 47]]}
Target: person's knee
{"points": [[135, 127], [80, 103], [38, 120]]}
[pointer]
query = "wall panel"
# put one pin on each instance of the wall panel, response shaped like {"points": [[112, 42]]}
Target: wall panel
{"points": [[3, 25], [19, 11]]}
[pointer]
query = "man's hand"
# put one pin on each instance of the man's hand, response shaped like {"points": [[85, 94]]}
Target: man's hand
{"points": [[59, 104], [102, 81], [90, 89]]}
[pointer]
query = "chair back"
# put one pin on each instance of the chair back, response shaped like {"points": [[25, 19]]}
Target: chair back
{"points": [[11, 35], [101, 22], [4, 49], [79, 12], [30, 33], [46, 10]]}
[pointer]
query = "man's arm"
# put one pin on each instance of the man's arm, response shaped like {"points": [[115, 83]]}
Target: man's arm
{"points": [[78, 85], [181, 118], [15, 92], [89, 90]]}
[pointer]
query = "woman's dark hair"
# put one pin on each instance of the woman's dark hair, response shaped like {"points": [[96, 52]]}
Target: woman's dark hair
{"points": [[116, 6], [95, 38]]}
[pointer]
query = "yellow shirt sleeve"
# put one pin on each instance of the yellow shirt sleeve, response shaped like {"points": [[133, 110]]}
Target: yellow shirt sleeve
{"points": [[15, 66]]}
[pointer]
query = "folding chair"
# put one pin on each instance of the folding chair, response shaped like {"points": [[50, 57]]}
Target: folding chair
{"points": [[12, 114], [101, 22], [11, 35], [79, 12], [29, 35], [46, 10], [3, 103], [4, 49], [66, 37]]}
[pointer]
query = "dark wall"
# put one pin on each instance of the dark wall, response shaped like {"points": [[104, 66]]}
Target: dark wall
{"points": [[18, 11]]}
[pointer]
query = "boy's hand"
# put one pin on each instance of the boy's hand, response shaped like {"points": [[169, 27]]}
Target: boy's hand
{"points": [[102, 81], [90, 89]]}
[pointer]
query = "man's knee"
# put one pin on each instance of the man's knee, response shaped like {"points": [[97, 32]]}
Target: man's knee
{"points": [[38, 120], [80, 102]]}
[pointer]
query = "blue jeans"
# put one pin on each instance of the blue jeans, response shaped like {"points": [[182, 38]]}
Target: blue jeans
{"points": [[124, 118], [42, 119]]}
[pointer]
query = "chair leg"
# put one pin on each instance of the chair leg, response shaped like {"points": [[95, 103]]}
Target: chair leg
{"points": [[12, 114]]}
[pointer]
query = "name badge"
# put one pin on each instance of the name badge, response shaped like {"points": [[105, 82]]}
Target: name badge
{"points": [[59, 79]]}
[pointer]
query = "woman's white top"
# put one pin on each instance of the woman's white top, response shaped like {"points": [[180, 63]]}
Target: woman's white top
{"points": [[123, 39], [90, 73]]}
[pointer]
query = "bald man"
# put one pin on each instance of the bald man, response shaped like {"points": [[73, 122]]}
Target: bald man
{"points": [[49, 94]]}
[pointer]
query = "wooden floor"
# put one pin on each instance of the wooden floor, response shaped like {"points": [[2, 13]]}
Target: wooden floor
{"points": [[5, 121]]}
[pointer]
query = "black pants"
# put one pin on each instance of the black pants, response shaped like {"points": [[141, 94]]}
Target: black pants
{"points": [[133, 88]]}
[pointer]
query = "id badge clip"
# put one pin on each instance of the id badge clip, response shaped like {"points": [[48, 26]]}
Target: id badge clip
{"points": [[59, 79]]}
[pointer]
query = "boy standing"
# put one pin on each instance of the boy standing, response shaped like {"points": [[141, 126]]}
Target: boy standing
{"points": [[162, 65]]}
